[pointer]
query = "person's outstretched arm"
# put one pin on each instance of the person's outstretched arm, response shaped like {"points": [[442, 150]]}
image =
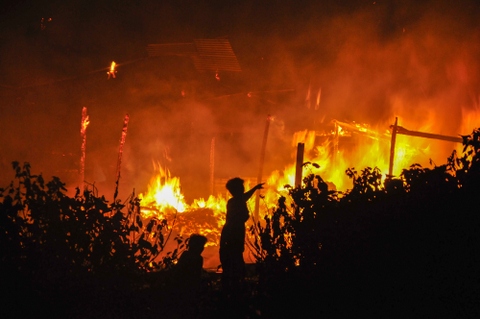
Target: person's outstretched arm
{"points": [[249, 194]]}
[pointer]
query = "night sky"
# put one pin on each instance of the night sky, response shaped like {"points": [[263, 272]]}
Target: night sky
{"points": [[373, 60]]}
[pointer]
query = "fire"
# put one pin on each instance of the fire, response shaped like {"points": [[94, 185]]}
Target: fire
{"points": [[328, 154], [85, 121], [163, 193], [214, 203], [83, 134], [164, 200], [351, 145], [112, 71]]}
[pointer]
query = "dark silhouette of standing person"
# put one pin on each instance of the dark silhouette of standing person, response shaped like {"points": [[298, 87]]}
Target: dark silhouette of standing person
{"points": [[232, 240]]}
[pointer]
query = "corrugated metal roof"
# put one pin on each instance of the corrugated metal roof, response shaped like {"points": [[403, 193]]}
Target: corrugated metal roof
{"points": [[216, 64], [215, 54], [207, 54], [180, 49], [214, 47]]}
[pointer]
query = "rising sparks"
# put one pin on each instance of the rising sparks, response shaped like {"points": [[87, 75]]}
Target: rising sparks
{"points": [[43, 23]]}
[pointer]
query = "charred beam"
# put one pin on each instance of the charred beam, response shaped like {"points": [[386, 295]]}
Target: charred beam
{"points": [[120, 153], [212, 167], [404, 131]]}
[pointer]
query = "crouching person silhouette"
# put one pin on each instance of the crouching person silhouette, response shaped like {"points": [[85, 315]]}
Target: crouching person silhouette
{"points": [[190, 264], [187, 279], [232, 240]]}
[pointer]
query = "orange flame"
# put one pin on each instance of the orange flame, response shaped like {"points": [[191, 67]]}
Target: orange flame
{"points": [[164, 199], [164, 192], [350, 145], [83, 133], [85, 121], [112, 71]]}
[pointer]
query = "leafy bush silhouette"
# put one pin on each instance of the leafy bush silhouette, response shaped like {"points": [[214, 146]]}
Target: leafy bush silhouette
{"points": [[387, 248], [405, 245], [55, 247]]}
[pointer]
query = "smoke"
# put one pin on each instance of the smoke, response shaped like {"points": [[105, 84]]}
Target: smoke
{"points": [[417, 62], [372, 62]]}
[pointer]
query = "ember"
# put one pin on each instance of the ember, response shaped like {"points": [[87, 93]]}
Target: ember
{"points": [[112, 71]]}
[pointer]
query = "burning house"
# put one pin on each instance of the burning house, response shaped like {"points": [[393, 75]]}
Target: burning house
{"points": [[331, 79], [162, 102]]}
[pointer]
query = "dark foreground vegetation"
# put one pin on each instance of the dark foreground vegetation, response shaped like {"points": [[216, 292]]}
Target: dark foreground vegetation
{"points": [[409, 248]]}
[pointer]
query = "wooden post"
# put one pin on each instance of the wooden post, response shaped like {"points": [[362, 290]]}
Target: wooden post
{"points": [[83, 133], [212, 166], [392, 147], [262, 159], [120, 152], [336, 141], [299, 166]]}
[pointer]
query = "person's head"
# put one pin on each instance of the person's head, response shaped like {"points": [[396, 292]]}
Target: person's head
{"points": [[196, 243], [235, 186]]}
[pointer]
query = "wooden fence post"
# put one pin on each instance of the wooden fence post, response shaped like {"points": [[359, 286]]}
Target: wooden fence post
{"points": [[299, 165], [262, 159], [392, 147]]}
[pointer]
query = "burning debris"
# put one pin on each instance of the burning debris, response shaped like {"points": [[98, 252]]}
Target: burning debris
{"points": [[328, 154], [164, 200], [83, 132], [354, 65], [164, 193], [112, 71]]}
